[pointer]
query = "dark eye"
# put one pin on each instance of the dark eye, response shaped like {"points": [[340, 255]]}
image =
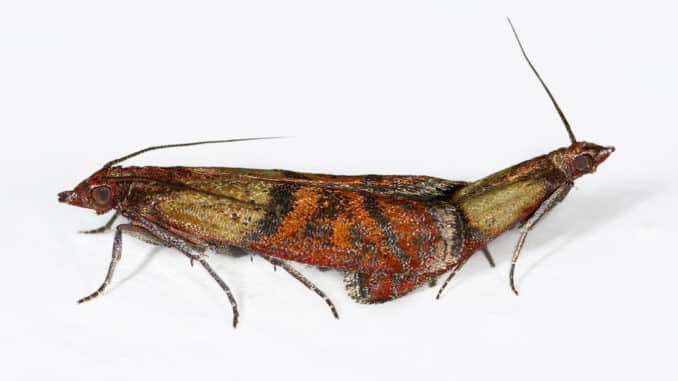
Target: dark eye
{"points": [[102, 195], [583, 163]]}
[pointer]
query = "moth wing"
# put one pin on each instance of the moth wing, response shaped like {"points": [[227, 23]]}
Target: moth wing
{"points": [[379, 287], [370, 223], [418, 187]]}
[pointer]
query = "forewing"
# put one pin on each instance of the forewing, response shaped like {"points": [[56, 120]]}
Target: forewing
{"points": [[381, 287], [384, 223], [419, 187]]}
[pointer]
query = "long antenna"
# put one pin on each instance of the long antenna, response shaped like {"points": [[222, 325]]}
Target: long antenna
{"points": [[133, 154], [555, 104]]}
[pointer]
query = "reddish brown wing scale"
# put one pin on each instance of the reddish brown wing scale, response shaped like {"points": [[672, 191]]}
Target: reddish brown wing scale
{"points": [[380, 287], [354, 231], [390, 234], [370, 224]]}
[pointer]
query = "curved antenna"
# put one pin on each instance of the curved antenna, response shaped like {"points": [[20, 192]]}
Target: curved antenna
{"points": [[555, 104], [137, 153]]}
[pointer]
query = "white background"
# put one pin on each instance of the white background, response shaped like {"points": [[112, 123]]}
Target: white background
{"points": [[387, 87]]}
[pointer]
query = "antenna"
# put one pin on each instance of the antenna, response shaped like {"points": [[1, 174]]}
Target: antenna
{"points": [[555, 104], [137, 153]]}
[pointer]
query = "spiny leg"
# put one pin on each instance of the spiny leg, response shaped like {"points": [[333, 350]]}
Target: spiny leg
{"points": [[296, 274], [170, 240], [187, 249], [488, 256], [144, 235], [117, 251], [449, 277], [433, 282], [102, 228], [224, 286], [557, 196], [154, 235]]}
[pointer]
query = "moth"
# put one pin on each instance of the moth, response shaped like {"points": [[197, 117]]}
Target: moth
{"points": [[388, 234]]}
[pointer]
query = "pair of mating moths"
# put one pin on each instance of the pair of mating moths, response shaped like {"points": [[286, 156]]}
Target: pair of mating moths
{"points": [[388, 234]]}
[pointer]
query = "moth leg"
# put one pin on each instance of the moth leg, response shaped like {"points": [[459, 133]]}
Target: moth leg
{"points": [[449, 277], [102, 228], [488, 256], [117, 251], [557, 196], [434, 281], [296, 274], [188, 249], [144, 235], [224, 286]]}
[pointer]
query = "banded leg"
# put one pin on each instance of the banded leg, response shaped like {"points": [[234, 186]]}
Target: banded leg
{"points": [[557, 196], [449, 277], [488, 256], [224, 286], [102, 228], [117, 252], [296, 274], [188, 249]]}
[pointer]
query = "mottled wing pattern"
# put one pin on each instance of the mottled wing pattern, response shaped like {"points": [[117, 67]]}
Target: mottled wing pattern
{"points": [[355, 231], [381, 287], [419, 187], [355, 223]]}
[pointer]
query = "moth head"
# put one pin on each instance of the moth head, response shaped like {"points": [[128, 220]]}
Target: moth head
{"points": [[96, 192], [579, 158], [582, 158], [100, 192]]}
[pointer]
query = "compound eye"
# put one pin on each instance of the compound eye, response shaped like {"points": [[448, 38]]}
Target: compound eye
{"points": [[102, 195], [583, 163]]}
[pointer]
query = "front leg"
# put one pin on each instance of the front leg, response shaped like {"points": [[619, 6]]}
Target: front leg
{"points": [[117, 252], [188, 249], [557, 196], [150, 233], [135, 231], [102, 228]]}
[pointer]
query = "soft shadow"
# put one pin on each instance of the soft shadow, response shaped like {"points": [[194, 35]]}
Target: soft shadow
{"points": [[576, 217], [138, 269], [592, 212]]}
